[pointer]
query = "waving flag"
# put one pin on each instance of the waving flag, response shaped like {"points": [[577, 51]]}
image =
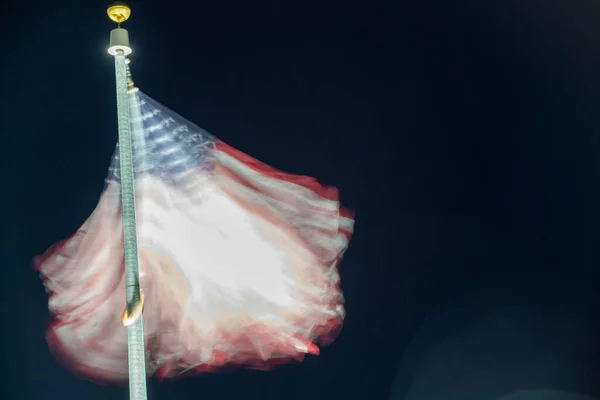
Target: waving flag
{"points": [[238, 261]]}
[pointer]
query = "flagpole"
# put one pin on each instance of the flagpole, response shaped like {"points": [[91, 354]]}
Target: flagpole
{"points": [[132, 318]]}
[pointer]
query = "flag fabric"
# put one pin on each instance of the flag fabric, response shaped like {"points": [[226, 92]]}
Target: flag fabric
{"points": [[238, 261]]}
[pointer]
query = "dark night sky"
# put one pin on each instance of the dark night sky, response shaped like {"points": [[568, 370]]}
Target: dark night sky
{"points": [[465, 134]]}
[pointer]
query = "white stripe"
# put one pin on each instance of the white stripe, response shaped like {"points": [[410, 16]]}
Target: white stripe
{"points": [[294, 214], [312, 198], [311, 228], [347, 224]]}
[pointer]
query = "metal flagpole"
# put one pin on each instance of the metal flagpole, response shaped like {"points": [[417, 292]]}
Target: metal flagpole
{"points": [[132, 318]]}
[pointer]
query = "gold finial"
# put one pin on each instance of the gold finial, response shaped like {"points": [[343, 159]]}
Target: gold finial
{"points": [[118, 12]]}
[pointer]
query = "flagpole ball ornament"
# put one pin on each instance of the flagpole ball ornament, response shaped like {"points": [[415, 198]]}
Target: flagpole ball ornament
{"points": [[118, 12], [119, 37]]}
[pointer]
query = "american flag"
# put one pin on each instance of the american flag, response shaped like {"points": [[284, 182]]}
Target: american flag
{"points": [[238, 261]]}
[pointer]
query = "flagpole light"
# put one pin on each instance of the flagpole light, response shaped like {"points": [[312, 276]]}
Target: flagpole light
{"points": [[119, 37], [134, 300]]}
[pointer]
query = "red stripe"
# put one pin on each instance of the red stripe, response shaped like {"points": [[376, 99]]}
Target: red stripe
{"points": [[327, 192], [307, 182]]}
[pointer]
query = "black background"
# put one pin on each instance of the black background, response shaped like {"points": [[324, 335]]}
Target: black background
{"points": [[463, 133]]}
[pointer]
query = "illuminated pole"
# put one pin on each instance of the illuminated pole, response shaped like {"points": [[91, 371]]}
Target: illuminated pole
{"points": [[132, 318]]}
